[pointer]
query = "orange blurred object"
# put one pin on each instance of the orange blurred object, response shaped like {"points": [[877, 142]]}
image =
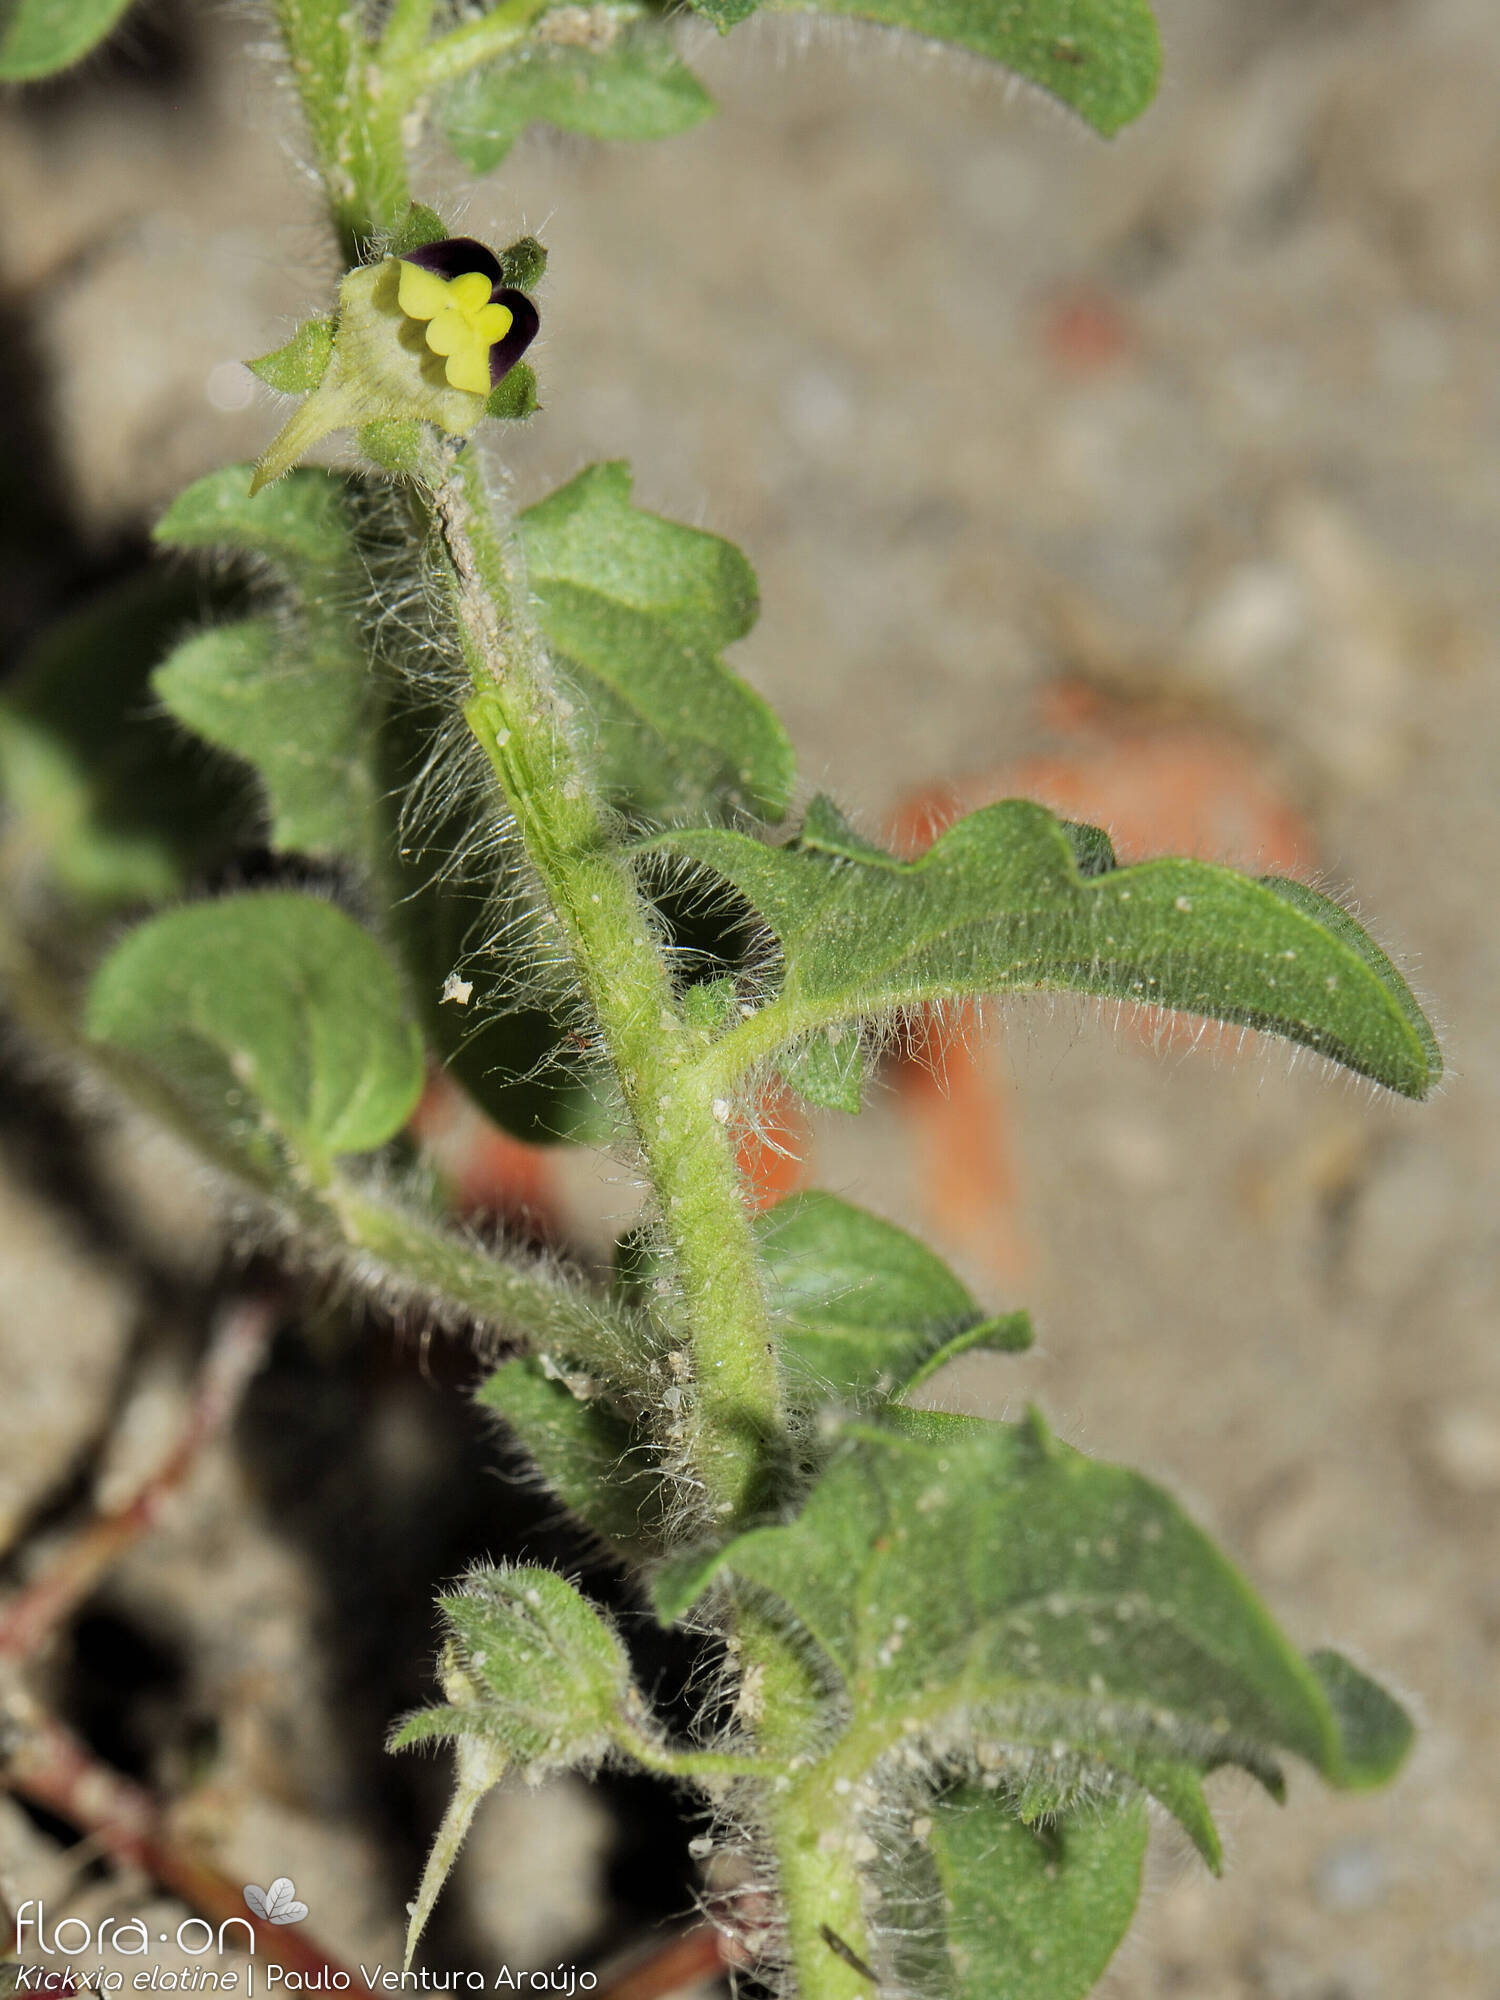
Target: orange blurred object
{"points": [[486, 1170]]}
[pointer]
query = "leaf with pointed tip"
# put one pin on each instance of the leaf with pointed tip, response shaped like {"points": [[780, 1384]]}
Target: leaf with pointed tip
{"points": [[581, 1449], [101, 789], [541, 1672], [1034, 1912], [1100, 57], [633, 85], [41, 37], [272, 1014], [982, 1584], [638, 608], [999, 904], [861, 1305]]}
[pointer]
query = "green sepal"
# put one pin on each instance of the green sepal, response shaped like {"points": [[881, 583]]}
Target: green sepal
{"points": [[999, 903], [523, 263], [41, 37], [301, 363], [637, 608], [633, 85], [392, 443], [419, 226], [581, 1449], [275, 1016], [514, 397]]}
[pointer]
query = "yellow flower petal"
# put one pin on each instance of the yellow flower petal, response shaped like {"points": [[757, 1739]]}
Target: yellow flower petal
{"points": [[423, 294], [470, 293], [471, 369], [493, 323], [450, 332]]}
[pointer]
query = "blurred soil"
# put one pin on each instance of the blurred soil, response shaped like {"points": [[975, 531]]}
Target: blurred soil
{"points": [[1162, 478]]}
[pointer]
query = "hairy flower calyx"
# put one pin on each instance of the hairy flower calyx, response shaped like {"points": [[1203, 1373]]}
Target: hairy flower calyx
{"points": [[426, 337]]}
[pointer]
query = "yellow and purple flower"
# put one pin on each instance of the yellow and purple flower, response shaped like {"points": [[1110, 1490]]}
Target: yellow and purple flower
{"points": [[425, 336], [477, 324]]}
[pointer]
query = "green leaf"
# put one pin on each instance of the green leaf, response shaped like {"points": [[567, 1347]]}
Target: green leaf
{"points": [[861, 1304], [1376, 1730], [293, 710], [828, 1070], [267, 1011], [301, 363], [289, 696], [989, 1589], [302, 524], [41, 37], [637, 608], [580, 1448], [999, 904], [627, 83], [539, 1672], [1101, 57], [1034, 1913], [103, 791]]}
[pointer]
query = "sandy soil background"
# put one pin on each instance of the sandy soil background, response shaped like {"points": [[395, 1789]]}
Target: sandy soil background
{"points": [[1201, 426]]}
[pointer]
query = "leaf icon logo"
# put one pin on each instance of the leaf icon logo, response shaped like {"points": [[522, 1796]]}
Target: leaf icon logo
{"points": [[278, 1904]]}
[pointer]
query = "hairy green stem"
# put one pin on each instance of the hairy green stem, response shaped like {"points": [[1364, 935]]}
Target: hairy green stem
{"points": [[478, 41], [589, 886], [353, 114], [817, 1840], [810, 1811]]}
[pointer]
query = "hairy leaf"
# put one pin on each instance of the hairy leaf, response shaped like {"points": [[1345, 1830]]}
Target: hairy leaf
{"points": [[101, 788], [862, 1305], [291, 707], [1034, 1912], [828, 1070], [302, 524], [999, 903], [267, 1011], [638, 608], [628, 83], [1101, 57], [581, 1449], [988, 1588], [40, 37], [289, 696], [539, 1672]]}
